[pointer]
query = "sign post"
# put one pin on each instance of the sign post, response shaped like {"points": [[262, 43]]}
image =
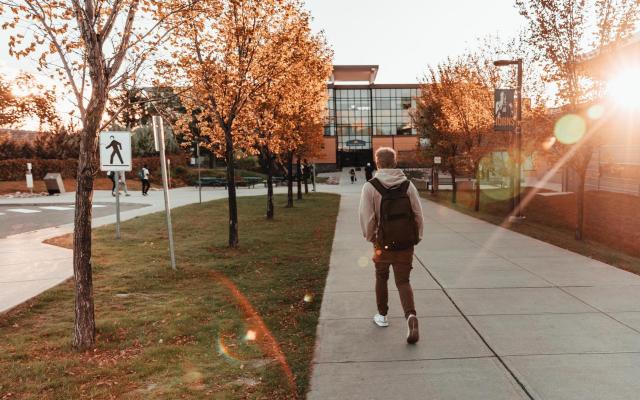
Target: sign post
{"points": [[29, 178], [158, 135], [115, 157], [198, 166], [437, 160]]}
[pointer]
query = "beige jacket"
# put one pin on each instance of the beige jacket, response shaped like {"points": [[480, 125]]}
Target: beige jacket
{"points": [[370, 202]]}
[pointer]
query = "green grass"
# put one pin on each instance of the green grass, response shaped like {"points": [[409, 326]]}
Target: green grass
{"points": [[159, 331], [495, 207]]}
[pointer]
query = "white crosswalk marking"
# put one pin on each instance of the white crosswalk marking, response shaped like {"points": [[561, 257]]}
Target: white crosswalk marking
{"points": [[98, 206], [23, 210], [56, 208], [1, 213]]}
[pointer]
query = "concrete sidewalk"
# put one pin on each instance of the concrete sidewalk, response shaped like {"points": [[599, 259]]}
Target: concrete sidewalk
{"points": [[502, 316], [28, 267]]}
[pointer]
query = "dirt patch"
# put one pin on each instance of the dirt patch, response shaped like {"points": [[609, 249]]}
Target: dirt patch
{"points": [[64, 241]]}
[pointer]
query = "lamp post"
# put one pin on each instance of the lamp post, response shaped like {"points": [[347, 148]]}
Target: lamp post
{"points": [[517, 211]]}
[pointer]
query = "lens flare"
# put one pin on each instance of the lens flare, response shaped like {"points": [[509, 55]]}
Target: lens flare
{"points": [[251, 335], [595, 112], [570, 129], [548, 144], [225, 352], [624, 89]]}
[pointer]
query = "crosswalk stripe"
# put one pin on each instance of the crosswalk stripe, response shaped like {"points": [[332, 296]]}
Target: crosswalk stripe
{"points": [[1, 213], [98, 206], [23, 210], [57, 208]]}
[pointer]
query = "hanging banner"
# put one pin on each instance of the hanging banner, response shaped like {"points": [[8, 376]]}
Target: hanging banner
{"points": [[504, 110]]}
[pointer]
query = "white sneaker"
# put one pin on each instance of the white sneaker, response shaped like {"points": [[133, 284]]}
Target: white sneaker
{"points": [[381, 320], [413, 334]]}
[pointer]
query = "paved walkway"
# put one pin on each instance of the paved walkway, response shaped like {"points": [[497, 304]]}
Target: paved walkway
{"points": [[502, 316]]}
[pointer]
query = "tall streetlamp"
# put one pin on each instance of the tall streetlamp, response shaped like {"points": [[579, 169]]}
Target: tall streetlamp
{"points": [[517, 212]]}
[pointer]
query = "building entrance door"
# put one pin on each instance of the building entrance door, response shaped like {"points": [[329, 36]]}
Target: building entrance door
{"points": [[355, 158]]}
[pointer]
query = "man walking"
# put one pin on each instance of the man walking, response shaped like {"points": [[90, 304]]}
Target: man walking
{"points": [[144, 175], [368, 172], [391, 219]]}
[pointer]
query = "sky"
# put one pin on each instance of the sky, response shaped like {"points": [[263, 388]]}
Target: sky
{"points": [[404, 36]]}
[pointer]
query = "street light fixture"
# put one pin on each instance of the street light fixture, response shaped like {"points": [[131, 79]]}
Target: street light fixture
{"points": [[517, 210]]}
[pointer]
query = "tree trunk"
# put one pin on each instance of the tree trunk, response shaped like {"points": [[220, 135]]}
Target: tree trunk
{"points": [[84, 325], [299, 178], [270, 208], [454, 188], [231, 188], [580, 205], [290, 180]]}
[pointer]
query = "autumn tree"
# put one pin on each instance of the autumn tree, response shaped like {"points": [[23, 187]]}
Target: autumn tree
{"points": [[455, 112], [24, 99], [90, 47], [559, 31], [227, 52], [279, 110]]}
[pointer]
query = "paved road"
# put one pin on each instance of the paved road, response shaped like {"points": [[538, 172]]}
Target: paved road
{"points": [[24, 217], [503, 316]]}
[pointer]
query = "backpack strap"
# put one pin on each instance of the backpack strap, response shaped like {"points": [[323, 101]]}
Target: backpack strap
{"points": [[378, 186], [404, 186]]}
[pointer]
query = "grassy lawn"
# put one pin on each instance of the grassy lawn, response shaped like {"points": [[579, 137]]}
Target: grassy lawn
{"points": [[230, 324], [495, 207]]}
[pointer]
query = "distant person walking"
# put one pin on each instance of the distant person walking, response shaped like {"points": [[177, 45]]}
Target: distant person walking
{"points": [[391, 219], [144, 176], [112, 176], [352, 172], [123, 182], [368, 172]]}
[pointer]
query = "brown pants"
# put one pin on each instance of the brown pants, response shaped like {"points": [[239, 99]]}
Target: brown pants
{"points": [[401, 261]]}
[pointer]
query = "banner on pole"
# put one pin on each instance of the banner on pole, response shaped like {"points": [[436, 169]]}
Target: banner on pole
{"points": [[504, 110]]}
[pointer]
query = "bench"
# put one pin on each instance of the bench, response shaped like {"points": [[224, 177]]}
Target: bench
{"points": [[212, 181], [277, 181], [249, 181]]}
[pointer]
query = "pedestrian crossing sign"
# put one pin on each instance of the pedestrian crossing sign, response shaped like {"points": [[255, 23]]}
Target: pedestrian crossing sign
{"points": [[115, 151]]}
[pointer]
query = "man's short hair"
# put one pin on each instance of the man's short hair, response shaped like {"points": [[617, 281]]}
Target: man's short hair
{"points": [[386, 157]]}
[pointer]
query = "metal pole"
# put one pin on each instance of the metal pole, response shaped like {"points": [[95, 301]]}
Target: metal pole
{"points": [[116, 175], [158, 129], [518, 210], [198, 166], [314, 177]]}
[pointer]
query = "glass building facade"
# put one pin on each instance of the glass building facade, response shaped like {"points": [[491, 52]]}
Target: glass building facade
{"points": [[359, 114]]}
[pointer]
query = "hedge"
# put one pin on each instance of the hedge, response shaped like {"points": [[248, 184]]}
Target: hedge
{"points": [[15, 170]]}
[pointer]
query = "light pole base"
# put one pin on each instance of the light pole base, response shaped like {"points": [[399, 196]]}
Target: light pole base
{"points": [[517, 219]]}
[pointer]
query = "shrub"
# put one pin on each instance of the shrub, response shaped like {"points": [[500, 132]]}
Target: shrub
{"points": [[249, 163], [14, 170]]}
